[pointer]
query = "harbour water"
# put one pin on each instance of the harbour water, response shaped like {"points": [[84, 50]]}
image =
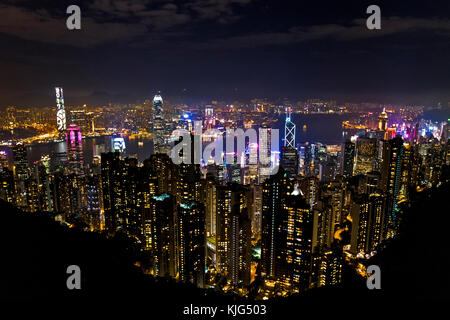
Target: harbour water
{"points": [[325, 128]]}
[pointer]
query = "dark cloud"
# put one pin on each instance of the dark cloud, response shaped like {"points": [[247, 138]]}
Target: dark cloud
{"points": [[356, 30], [131, 48]]}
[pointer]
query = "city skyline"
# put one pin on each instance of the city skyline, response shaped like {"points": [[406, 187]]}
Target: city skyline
{"points": [[225, 157]]}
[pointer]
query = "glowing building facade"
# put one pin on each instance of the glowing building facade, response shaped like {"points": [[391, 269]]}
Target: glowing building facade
{"points": [[75, 150], [158, 125], [60, 111]]}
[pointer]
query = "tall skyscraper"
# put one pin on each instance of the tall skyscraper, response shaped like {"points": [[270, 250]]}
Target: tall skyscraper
{"points": [[163, 213], [383, 121], [191, 242], [21, 169], [289, 161], [349, 156], [275, 189], [75, 155], [366, 153], [289, 130], [158, 125], [233, 233], [391, 179], [21, 173], [60, 111], [286, 240], [368, 222]]}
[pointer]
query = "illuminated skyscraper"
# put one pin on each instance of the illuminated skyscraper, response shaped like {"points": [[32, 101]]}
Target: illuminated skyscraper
{"points": [[349, 156], [158, 125], [233, 233], [7, 191], [299, 236], [366, 153], [3, 160], [289, 161], [21, 169], [368, 223], [274, 190], [60, 111], [75, 150], [286, 240], [289, 130], [191, 242], [163, 213], [393, 151], [383, 121]]}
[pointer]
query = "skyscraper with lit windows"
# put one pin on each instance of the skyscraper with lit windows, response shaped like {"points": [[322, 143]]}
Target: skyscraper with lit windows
{"points": [[158, 125], [60, 111], [191, 242], [75, 150]]}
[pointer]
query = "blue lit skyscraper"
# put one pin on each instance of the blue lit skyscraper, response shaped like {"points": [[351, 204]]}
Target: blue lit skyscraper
{"points": [[289, 130]]}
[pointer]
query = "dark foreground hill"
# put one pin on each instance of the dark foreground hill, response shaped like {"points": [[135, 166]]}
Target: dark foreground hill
{"points": [[35, 252]]}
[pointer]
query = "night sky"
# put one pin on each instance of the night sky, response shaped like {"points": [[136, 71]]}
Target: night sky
{"points": [[227, 49]]}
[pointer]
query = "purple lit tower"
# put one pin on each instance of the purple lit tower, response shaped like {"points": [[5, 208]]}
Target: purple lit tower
{"points": [[75, 150]]}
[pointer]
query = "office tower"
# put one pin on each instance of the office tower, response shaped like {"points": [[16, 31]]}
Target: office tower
{"points": [[232, 206], [289, 130], [191, 242], [383, 121], [264, 153], [82, 119], [210, 120], [268, 153], [289, 161], [366, 153], [349, 156], [60, 111], [75, 155], [163, 216], [391, 180], [158, 125]]}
